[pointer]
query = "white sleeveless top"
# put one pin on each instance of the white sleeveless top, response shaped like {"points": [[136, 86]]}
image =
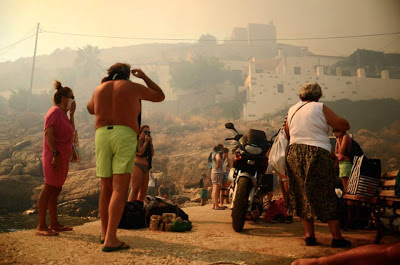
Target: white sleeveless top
{"points": [[308, 125]]}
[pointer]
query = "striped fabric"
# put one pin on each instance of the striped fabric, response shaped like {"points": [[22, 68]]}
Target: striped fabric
{"points": [[365, 177]]}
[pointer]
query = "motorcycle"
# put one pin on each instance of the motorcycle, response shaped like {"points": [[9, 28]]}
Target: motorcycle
{"points": [[247, 175]]}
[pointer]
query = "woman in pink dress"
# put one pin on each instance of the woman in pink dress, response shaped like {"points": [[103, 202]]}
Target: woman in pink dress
{"points": [[57, 151]]}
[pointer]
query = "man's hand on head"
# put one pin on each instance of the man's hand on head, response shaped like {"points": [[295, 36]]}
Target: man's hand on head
{"points": [[138, 73]]}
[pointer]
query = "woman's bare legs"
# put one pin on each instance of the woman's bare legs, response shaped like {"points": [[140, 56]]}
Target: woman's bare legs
{"points": [[334, 226], [308, 226], [144, 187], [215, 195], [43, 202], [136, 183], [52, 206]]}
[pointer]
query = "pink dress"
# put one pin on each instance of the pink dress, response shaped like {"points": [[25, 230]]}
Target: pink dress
{"points": [[63, 133]]}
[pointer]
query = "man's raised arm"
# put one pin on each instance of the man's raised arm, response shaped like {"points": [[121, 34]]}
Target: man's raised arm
{"points": [[159, 95]]}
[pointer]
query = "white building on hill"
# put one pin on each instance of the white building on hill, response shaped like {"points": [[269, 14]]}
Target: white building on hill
{"points": [[274, 84]]}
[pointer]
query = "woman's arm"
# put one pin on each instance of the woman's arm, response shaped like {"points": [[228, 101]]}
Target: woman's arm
{"points": [[72, 114], [335, 121], [343, 148], [287, 128], [142, 147], [51, 142], [219, 161]]}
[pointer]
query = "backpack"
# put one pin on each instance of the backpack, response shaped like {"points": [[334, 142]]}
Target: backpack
{"points": [[355, 150], [210, 157], [134, 216], [159, 205], [276, 211]]}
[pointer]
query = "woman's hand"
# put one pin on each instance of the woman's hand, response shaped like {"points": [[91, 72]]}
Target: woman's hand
{"points": [[56, 161], [147, 138], [73, 108]]}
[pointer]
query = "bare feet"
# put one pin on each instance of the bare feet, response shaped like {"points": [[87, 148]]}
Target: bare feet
{"points": [[46, 232], [61, 228]]}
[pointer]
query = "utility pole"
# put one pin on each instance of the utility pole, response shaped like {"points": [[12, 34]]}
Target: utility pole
{"points": [[33, 68]]}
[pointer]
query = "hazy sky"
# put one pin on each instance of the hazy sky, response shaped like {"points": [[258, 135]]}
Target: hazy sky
{"points": [[188, 19]]}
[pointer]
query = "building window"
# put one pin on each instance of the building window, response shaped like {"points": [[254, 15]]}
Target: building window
{"points": [[297, 70], [280, 88]]}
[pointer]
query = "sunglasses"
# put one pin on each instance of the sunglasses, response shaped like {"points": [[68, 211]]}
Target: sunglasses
{"points": [[71, 97]]}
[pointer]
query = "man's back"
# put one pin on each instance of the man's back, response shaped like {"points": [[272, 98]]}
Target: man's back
{"points": [[118, 103]]}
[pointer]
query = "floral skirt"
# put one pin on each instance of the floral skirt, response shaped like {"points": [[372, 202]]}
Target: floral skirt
{"points": [[311, 182]]}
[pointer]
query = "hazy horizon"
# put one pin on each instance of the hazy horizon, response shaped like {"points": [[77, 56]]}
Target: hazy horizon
{"points": [[178, 19]]}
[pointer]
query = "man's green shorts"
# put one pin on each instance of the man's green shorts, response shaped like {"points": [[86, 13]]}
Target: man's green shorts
{"points": [[115, 150], [345, 169]]}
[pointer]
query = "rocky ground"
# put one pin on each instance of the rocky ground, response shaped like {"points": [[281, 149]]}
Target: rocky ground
{"points": [[211, 241]]}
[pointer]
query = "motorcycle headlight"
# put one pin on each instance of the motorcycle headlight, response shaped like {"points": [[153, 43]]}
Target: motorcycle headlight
{"points": [[254, 150]]}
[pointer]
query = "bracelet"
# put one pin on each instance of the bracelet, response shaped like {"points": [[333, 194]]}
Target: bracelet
{"points": [[55, 153]]}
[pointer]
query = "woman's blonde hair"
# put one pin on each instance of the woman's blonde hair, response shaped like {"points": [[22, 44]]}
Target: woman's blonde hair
{"points": [[310, 91]]}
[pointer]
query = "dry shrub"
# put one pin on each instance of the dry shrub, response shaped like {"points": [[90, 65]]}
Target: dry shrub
{"points": [[29, 119]]}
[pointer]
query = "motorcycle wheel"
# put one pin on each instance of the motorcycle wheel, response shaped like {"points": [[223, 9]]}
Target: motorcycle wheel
{"points": [[240, 204]]}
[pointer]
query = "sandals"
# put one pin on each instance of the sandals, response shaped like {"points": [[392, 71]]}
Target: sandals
{"points": [[310, 241], [340, 243]]}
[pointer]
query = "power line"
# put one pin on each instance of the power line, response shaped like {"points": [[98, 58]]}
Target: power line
{"points": [[384, 47], [184, 39], [17, 42]]}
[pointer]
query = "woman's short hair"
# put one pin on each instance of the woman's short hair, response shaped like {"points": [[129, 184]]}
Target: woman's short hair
{"points": [[310, 91], [60, 92], [119, 68]]}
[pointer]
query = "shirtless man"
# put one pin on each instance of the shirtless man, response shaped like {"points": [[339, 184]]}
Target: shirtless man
{"points": [[116, 106]]}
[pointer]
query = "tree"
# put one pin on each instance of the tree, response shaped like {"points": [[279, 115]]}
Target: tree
{"points": [[87, 61], [202, 73], [207, 39], [88, 72], [19, 100]]}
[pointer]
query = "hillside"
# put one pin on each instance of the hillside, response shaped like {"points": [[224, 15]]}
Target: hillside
{"points": [[182, 146]]}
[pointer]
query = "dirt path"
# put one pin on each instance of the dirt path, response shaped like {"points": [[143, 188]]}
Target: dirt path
{"points": [[212, 241]]}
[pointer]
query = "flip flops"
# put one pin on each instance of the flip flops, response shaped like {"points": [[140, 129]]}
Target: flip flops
{"points": [[219, 208], [120, 247]]}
